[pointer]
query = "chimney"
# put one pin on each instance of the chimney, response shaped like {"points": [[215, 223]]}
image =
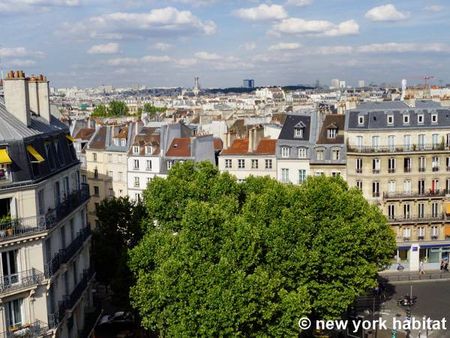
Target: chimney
{"points": [[15, 90], [251, 142], [230, 136], [44, 98], [33, 94], [255, 135]]}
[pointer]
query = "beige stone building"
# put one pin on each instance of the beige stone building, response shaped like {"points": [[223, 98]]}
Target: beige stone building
{"points": [[46, 276], [400, 159]]}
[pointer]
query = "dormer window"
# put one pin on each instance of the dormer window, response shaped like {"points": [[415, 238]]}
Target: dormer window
{"points": [[434, 118], [299, 130], [360, 120], [285, 152], [135, 150], [332, 132], [116, 141], [406, 119], [420, 119], [149, 150], [390, 120], [123, 142]]}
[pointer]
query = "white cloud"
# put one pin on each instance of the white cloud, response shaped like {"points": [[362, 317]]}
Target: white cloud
{"points": [[20, 63], [249, 46], [395, 47], [299, 3], [207, 56], [262, 13], [13, 52], [434, 8], [109, 48], [320, 27], [162, 46], [285, 46], [118, 25], [27, 5], [386, 13], [128, 61]]}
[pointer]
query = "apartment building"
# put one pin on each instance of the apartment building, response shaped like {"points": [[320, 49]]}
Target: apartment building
{"points": [[45, 287], [144, 161], [251, 156], [329, 151], [294, 146], [399, 157]]}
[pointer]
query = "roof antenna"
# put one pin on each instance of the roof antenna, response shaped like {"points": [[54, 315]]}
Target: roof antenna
{"points": [[1, 64]]}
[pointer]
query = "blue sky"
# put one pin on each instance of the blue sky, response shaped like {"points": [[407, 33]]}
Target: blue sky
{"points": [[166, 43]]}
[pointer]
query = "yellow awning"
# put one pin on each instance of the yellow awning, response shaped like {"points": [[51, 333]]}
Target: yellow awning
{"points": [[447, 231], [70, 138], [447, 209], [4, 157], [33, 152]]}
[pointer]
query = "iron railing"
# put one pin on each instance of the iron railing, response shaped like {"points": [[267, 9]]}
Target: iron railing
{"points": [[416, 219], [20, 280], [33, 330], [397, 149], [17, 227], [414, 194], [64, 255]]}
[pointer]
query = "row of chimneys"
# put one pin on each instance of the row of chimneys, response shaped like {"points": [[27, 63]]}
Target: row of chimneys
{"points": [[255, 135], [25, 95]]}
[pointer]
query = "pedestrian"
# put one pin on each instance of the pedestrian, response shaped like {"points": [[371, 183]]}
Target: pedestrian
{"points": [[442, 265], [446, 266], [421, 268]]}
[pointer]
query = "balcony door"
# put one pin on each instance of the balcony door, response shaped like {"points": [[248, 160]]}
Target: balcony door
{"points": [[14, 313], [10, 268]]}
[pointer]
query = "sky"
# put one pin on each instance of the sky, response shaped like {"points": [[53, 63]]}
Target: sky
{"points": [[156, 43]]}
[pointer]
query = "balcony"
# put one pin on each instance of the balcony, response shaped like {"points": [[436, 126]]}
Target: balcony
{"points": [[21, 280], [70, 300], [422, 169], [375, 171], [64, 255], [391, 170], [397, 149], [375, 194], [435, 169], [417, 219], [34, 330], [407, 169], [11, 228], [416, 194]]}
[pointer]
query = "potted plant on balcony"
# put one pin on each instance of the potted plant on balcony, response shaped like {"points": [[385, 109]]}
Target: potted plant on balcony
{"points": [[6, 225]]}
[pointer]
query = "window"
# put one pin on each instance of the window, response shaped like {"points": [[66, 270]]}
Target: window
{"points": [[268, 164], [14, 312], [301, 176], [434, 232], [302, 153], [420, 119], [359, 142], [359, 185], [320, 155], [148, 150], [375, 141], [136, 182], [335, 173], [136, 164], [94, 157], [405, 119], [336, 154], [298, 132], [406, 211], [254, 164], [332, 133], [421, 187], [116, 141], [391, 142], [376, 164], [241, 164], [392, 187], [422, 164], [435, 140], [228, 164], [284, 175], [148, 165], [435, 163], [421, 141], [434, 118], [407, 142], [421, 232], [390, 120], [434, 209], [391, 211], [359, 164], [434, 185], [123, 142], [406, 233], [407, 186], [170, 164], [96, 190], [135, 150], [391, 165], [360, 120], [447, 162], [421, 210], [285, 152], [10, 268], [376, 189], [407, 164], [41, 202]]}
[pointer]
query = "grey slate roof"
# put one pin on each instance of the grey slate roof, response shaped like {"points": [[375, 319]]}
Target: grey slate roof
{"points": [[384, 105]]}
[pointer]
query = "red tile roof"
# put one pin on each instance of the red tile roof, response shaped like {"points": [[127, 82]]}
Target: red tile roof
{"points": [[238, 147], [218, 144], [266, 147], [85, 133], [180, 147]]}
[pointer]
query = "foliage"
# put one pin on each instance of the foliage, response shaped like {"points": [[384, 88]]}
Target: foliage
{"points": [[118, 230], [221, 258], [152, 110], [114, 109]]}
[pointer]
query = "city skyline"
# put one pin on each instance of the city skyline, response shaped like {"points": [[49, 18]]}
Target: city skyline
{"points": [[167, 43]]}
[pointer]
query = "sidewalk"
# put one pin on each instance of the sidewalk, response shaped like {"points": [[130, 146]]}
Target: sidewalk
{"points": [[409, 276]]}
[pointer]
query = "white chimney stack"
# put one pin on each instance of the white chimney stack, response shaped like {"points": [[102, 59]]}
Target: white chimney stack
{"points": [[44, 98], [15, 88]]}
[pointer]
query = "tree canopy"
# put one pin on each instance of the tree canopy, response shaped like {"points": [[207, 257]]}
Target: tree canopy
{"points": [[114, 109], [222, 258], [153, 110]]}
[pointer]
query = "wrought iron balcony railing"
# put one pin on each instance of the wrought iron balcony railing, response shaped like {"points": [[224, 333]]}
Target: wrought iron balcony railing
{"points": [[33, 330], [415, 194], [20, 280], [397, 149]]}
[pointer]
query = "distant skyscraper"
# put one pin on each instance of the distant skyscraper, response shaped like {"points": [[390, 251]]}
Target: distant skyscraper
{"points": [[335, 83], [342, 84], [249, 83], [196, 89], [361, 83]]}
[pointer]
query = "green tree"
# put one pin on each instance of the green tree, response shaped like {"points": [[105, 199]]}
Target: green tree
{"points": [[118, 108], [220, 258], [100, 111], [119, 229], [153, 111]]}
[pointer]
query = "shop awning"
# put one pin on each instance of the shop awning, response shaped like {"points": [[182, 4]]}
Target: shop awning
{"points": [[447, 231], [33, 152], [4, 157], [447, 208], [70, 138]]}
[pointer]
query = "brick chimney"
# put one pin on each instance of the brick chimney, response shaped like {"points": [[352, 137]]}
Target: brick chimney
{"points": [[230, 136], [255, 135], [44, 98], [15, 88], [33, 94]]}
